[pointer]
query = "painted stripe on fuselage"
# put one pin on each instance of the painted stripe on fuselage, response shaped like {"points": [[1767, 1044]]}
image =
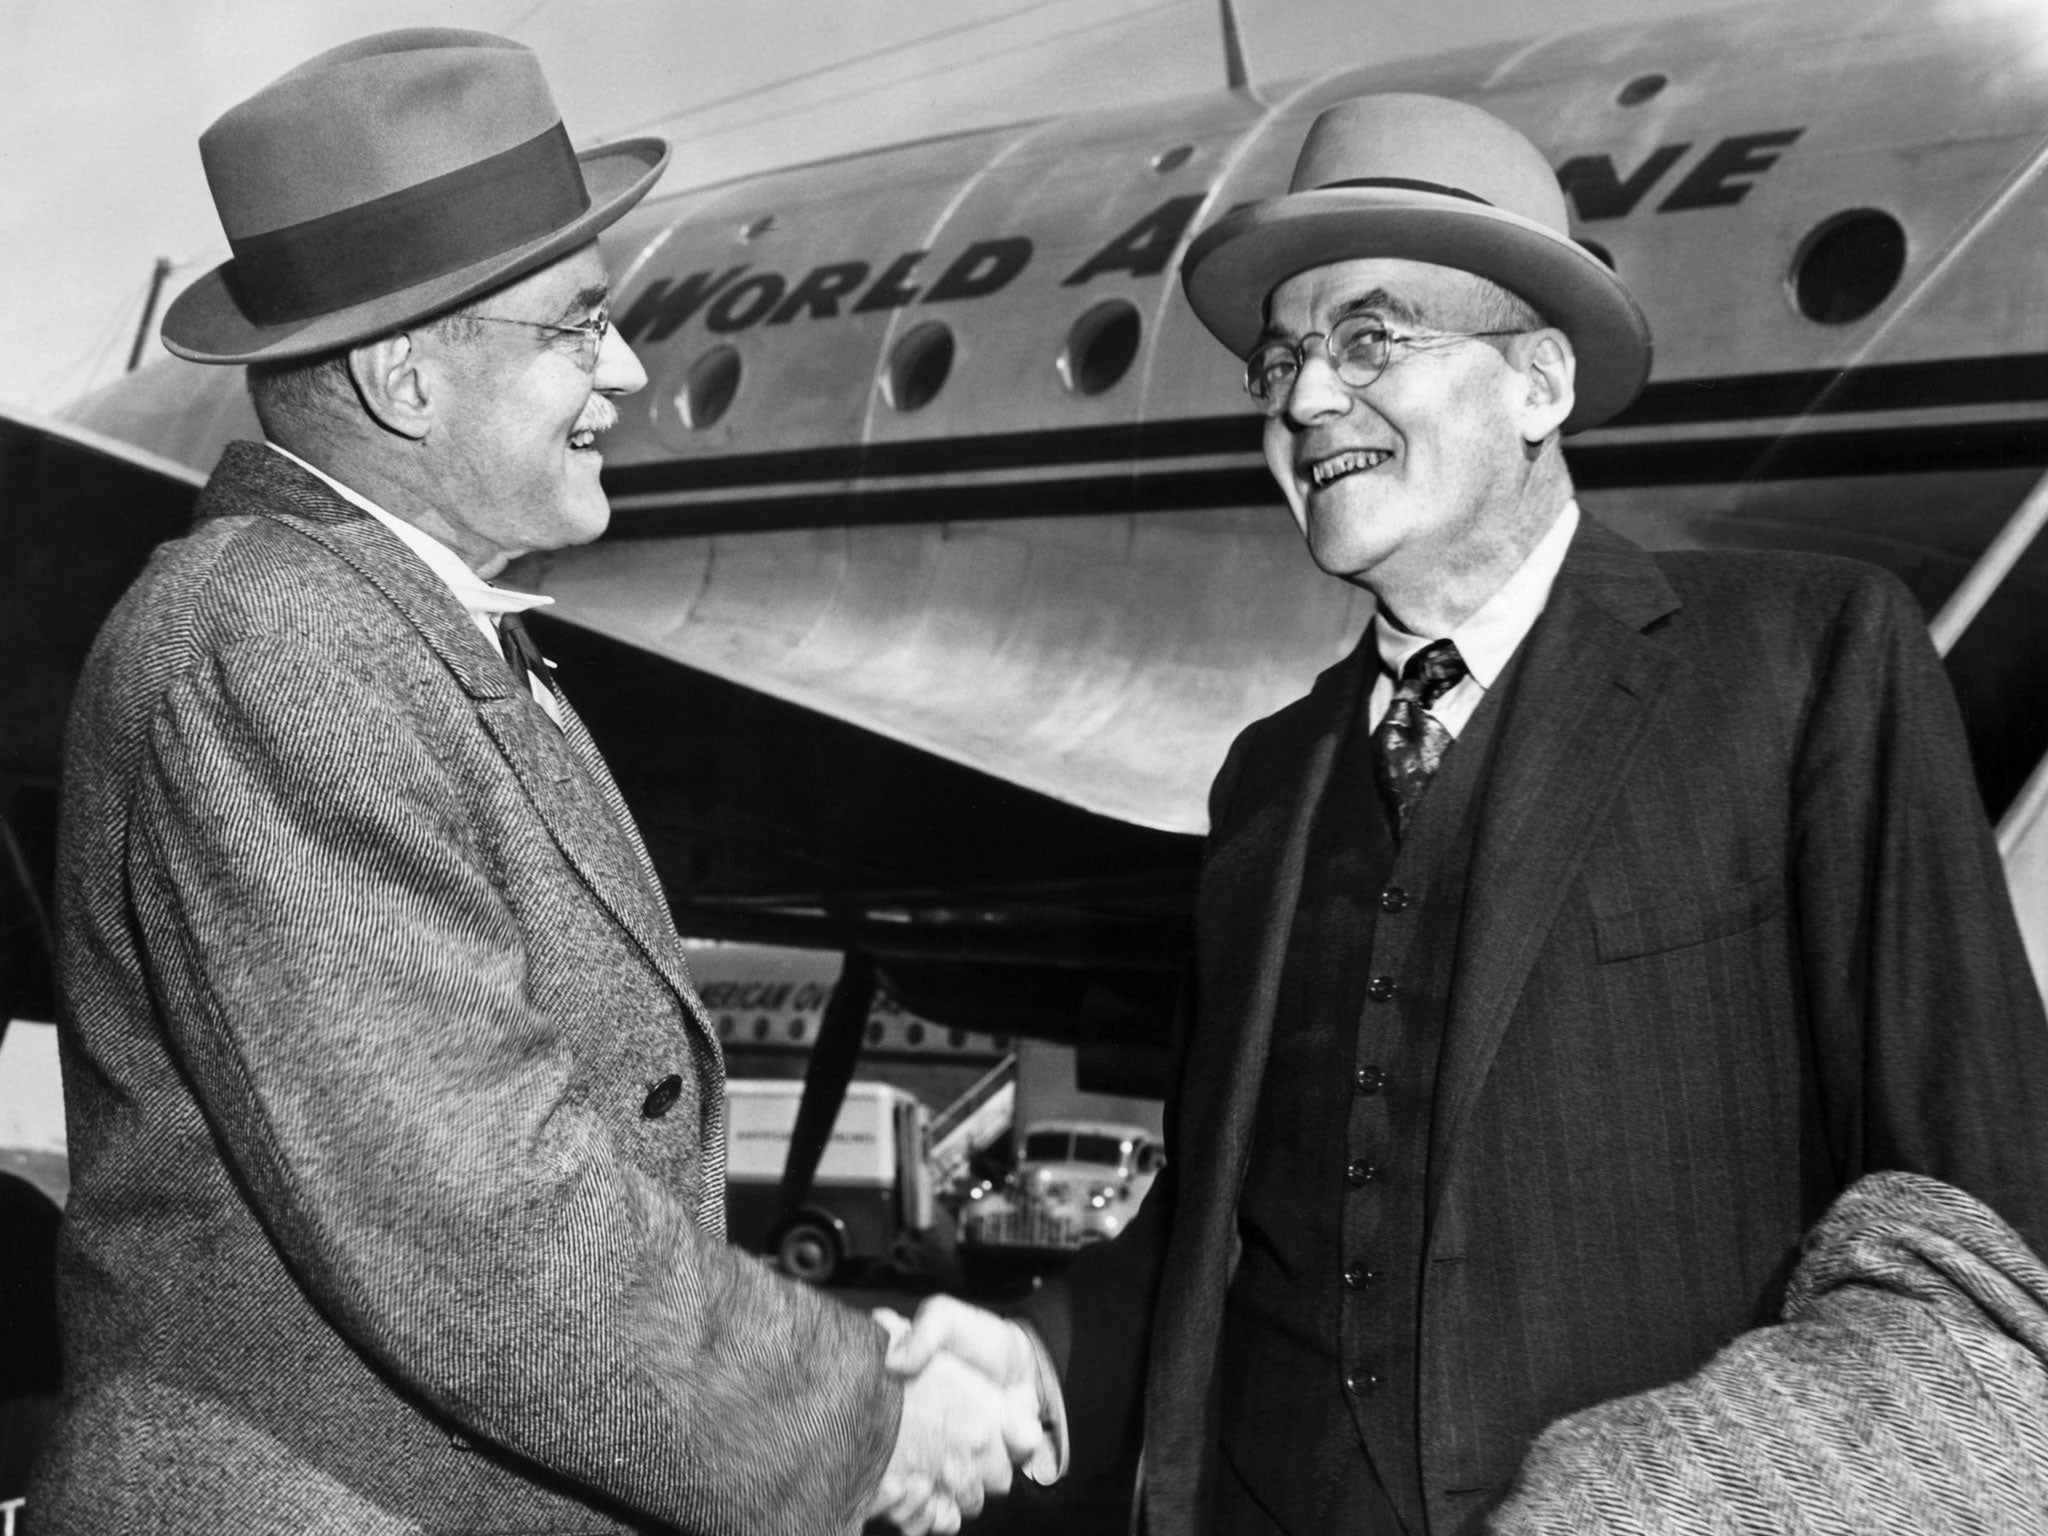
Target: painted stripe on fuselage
{"points": [[1769, 420]]}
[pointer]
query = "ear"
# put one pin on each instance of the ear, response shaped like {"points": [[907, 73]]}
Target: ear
{"points": [[1548, 367], [394, 384]]}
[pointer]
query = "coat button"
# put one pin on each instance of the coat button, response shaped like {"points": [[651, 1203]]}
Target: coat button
{"points": [[1369, 1079], [662, 1097], [1357, 1277], [1361, 1383], [1394, 899], [1380, 988], [1358, 1172]]}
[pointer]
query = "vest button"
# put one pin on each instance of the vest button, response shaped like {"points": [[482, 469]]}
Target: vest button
{"points": [[1357, 1277], [662, 1097], [1360, 1172], [1361, 1383], [1369, 1079], [1380, 988], [1394, 899]]}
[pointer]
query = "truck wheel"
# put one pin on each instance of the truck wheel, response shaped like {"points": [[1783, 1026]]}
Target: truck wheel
{"points": [[809, 1251]]}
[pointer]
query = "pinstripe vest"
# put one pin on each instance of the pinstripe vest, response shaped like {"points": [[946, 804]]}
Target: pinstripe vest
{"points": [[1319, 1336]]}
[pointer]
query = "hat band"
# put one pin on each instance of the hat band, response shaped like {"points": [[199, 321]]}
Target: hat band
{"points": [[410, 236], [1406, 185]]}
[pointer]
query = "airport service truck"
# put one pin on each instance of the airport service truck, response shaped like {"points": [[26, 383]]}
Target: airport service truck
{"points": [[872, 1200], [1076, 1182]]}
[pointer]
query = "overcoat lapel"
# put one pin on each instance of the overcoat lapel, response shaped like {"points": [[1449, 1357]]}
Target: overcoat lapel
{"points": [[1255, 878], [604, 852], [1251, 884], [1587, 692]]}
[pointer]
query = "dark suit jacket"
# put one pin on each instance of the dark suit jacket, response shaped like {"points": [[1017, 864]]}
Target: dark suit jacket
{"points": [[1736, 933], [374, 1226]]}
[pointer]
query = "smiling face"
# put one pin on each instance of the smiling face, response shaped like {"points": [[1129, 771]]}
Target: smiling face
{"points": [[518, 416], [1421, 479]]}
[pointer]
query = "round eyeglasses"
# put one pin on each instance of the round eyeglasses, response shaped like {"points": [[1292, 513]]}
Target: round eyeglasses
{"points": [[589, 335], [1359, 350]]}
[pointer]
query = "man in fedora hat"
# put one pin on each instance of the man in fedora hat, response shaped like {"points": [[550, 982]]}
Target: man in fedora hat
{"points": [[397, 1129], [1574, 941]]}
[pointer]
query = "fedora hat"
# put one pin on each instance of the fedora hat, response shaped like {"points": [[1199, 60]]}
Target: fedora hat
{"points": [[1424, 178], [388, 180]]}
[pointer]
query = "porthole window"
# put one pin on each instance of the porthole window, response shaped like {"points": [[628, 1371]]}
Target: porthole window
{"points": [[918, 367], [1640, 90], [1599, 253], [1100, 348], [761, 1029], [874, 1034], [795, 1028], [914, 1033], [1848, 266], [1172, 159], [708, 388]]}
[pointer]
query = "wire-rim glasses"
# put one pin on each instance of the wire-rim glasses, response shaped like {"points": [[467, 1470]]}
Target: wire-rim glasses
{"points": [[589, 334], [1359, 350]]}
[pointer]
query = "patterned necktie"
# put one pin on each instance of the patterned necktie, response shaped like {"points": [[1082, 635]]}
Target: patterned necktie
{"points": [[1410, 742]]}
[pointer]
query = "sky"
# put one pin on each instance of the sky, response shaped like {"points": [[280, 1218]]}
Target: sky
{"points": [[105, 101]]}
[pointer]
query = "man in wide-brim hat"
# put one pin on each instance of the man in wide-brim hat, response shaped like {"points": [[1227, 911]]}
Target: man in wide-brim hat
{"points": [[1572, 943], [397, 1131]]}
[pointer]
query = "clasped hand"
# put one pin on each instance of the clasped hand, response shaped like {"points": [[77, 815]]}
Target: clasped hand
{"points": [[972, 1411]]}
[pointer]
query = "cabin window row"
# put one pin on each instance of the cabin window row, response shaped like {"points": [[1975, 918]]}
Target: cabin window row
{"points": [[1100, 347], [1843, 270]]}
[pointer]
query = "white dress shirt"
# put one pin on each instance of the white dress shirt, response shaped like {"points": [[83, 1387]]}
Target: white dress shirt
{"points": [[480, 600], [1487, 640]]}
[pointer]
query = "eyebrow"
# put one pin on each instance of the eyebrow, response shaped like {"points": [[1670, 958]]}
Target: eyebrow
{"points": [[1374, 301], [587, 301]]}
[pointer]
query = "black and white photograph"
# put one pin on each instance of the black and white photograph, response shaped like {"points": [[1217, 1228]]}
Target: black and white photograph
{"points": [[1026, 767]]}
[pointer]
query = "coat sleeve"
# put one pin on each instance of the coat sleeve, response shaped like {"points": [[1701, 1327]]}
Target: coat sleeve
{"points": [[345, 988], [1932, 1048]]}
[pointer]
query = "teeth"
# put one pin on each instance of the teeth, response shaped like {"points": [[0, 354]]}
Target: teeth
{"points": [[1339, 465], [599, 416]]}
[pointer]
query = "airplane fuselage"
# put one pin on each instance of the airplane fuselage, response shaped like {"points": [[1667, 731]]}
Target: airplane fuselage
{"points": [[933, 446]]}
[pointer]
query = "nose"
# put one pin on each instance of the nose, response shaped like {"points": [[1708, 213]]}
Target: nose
{"points": [[1316, 393], [618, 370]]}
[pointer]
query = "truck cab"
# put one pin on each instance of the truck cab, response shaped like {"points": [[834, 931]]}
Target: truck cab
{"points": [[871, 1200], [1076, 1182]]}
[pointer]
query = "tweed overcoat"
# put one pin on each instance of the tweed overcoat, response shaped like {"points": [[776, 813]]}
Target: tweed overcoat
{"points": [[1904, 1394], [1735, 933], [385, 1215]]}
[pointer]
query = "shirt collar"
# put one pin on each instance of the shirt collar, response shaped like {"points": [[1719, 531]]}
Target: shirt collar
{"points": [[1489, 636], [477, 596]]}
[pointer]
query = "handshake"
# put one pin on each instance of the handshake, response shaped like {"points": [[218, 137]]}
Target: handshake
{"points": [[979, 1400]]}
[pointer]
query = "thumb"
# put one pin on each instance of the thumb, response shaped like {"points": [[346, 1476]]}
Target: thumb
{"points": [[1023, 1433], [892, 1323], [912, 1345]]}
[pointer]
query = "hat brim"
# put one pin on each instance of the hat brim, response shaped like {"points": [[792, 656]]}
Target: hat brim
{"points": [[206, 325], [1234, 265]]}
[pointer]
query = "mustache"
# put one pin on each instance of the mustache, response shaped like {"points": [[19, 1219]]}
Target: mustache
{"points": [[599, 415]]}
